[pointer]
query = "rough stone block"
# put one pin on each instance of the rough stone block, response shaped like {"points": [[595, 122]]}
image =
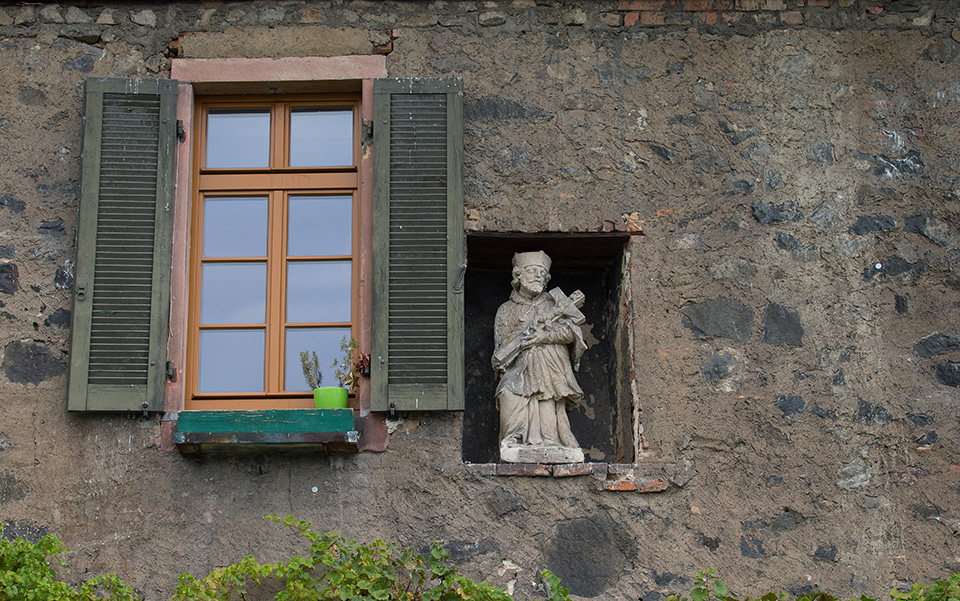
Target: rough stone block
{"points": [[872, 415], [948, 374], [51, 14], [781, 326], [769, 214], [501, 502], [26, 15], [936, 344], [76, 16], [590, 554], [144, 18], [492, 19], [893, 266], [722, 317], [9, 278], [25, 530], [825, 553], [791, 405], [30, 362]]}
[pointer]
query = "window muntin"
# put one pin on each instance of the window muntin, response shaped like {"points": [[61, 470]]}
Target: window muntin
{"points": [[274, 257]]}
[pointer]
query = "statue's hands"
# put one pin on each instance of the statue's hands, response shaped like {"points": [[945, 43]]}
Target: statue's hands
{"points": [[533, 338], [538, 336]]}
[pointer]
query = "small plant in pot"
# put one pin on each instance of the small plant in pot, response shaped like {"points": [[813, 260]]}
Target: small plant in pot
{"points": [[324, 397], [343, 368]]}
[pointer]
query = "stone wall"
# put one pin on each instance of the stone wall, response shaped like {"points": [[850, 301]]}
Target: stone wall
{"points": [[794, 168]]}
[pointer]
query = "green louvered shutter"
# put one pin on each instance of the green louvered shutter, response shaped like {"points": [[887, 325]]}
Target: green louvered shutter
{"points": [[122, 278], [417, 342]]}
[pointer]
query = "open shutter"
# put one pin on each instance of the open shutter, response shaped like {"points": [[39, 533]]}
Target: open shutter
{"points": [[418, 258], [122, 279]]}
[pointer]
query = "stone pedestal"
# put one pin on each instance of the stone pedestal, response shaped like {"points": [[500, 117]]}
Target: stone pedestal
{"points": [[540, 454]]}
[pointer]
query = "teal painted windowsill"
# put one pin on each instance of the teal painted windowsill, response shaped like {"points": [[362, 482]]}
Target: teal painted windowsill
{"points": [[332, 428]]}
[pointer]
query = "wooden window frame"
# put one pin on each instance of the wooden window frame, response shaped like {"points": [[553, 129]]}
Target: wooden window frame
{"points": [[317, 75], [278, 182]]}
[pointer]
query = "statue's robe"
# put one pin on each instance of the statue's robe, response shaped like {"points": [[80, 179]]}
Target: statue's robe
{"points": [[537, 385]]}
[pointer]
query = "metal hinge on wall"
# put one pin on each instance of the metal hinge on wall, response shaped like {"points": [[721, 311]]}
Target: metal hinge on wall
{"points": [[181, 132], [366, 133]]}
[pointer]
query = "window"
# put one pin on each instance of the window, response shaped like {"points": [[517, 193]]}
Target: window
{"points": [[273, 266], [145, 200]]}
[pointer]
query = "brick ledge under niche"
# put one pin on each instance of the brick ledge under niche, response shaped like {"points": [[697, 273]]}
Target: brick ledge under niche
{"points": [[622, 477]]}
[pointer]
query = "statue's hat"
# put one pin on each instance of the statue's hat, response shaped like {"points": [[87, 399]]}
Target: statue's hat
{"points": [[538, 257]]}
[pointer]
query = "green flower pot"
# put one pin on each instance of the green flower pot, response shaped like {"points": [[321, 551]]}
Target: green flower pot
{"points": [[330, 397]]}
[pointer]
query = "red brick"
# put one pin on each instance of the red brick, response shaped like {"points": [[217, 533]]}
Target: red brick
{"points": [[821, 3], [791, 17], [522, 469], [617, 485], [706, 5], [648, 18], [482, 469], [578, 469], [772, 5], [620, 469], [651, 485], [641, 4], [630, 19], [955, 469], [732, 17], [748, 4]]}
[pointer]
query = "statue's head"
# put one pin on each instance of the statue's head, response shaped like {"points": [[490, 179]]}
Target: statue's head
{"points": [[531, 272]]}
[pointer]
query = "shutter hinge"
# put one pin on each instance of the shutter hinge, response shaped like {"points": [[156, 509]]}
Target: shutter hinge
{"points": [[181, 133], [366, 133], [171, 372]]}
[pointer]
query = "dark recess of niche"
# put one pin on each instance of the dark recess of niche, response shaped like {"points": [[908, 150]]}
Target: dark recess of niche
{"points": [[588, 262]]}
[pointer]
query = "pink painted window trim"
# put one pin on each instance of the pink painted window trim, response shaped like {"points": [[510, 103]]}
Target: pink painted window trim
{"points": [[239, 71]]}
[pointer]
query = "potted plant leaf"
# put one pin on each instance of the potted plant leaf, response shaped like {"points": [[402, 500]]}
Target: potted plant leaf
{"points": [[343, 367], [324, 397]]}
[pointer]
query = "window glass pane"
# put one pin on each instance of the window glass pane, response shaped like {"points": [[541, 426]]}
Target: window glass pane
{"points": [[318, 291], [326, 341], [321, 137], [319, 226], [231, 360], [233, 293], [238, 138], [235, 227]]}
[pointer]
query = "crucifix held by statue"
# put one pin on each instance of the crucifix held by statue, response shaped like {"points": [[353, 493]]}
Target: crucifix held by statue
{"points": [[538, 343]]}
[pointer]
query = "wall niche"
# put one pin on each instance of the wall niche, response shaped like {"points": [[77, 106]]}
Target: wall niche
{"points": [[607, 422]]}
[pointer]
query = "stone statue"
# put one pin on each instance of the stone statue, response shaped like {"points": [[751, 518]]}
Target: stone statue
{"points": [[537, 347]]}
